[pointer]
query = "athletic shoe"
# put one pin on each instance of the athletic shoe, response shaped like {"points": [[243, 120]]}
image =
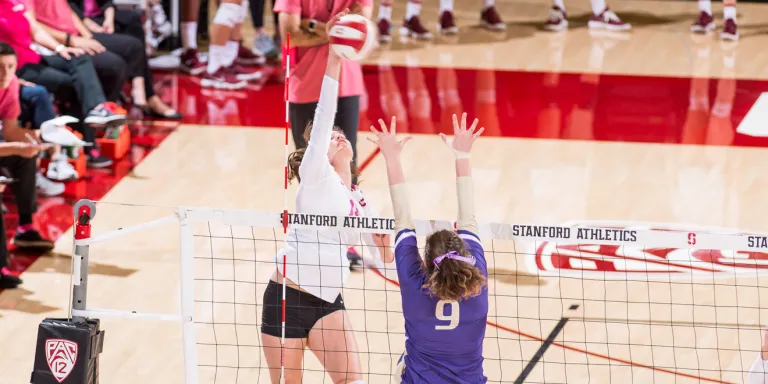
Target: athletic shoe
{"points": [[7, 280], [263, 45], [243, 73], [415, 29], [609, 21], [191, 63], [103, 115], [385, 30], [704, 23], [222, 79], [32, 240], [490, 19], [96, 160], [558, 20], [447, 24], [247, 57], [47, 187], [730, 30], [60, 169], [355, 261]]}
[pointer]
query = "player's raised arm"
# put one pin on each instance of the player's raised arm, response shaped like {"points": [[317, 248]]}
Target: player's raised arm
{"points": [[390, 148], [315, 160], [461, 145]]}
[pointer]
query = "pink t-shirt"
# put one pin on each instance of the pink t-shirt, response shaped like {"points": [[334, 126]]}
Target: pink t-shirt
{"points": [[54, 13], [15, 30], [307, 74], [9, 100]]}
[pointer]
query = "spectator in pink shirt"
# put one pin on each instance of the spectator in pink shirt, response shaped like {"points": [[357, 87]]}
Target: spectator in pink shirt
{"points": [[18, 154], [305, 21]]}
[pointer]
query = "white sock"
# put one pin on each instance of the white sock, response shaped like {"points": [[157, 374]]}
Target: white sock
{"points": [[729, 12], [217, 55], [231, 48], [189, 34], [489, 3], [385, 12], [412, 9], [446, 6], [559, 4], [705, 6], [598, 6]]}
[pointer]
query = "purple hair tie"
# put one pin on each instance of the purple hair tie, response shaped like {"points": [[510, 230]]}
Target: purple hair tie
{"points": [[456, 256]]}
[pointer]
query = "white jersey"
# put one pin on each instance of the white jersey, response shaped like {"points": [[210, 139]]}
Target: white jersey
{"points": [[316, 260], [758, 374]]}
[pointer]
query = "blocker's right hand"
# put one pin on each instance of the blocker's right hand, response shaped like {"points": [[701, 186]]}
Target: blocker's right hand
{"points": [[386, 139]]}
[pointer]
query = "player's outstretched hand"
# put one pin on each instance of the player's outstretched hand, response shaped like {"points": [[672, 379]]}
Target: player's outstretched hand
{"points": [[334, 20], [463, 137], [387, 141]]}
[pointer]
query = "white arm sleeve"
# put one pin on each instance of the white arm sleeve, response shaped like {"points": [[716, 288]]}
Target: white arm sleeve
{"points": [[315, 165], [758, 374], [466, 195]]}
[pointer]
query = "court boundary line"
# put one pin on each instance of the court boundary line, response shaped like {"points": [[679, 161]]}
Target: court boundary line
{"points": [[542, 349]]}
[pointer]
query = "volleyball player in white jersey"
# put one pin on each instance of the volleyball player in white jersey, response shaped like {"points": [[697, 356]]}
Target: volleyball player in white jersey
{"points": [[317, 264], [758, 374]]}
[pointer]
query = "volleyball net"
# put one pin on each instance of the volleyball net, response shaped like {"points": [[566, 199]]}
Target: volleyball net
{"points": [[598, 302]]}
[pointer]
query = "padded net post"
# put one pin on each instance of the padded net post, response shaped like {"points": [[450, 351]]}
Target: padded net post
{"points": [[84, 211]]}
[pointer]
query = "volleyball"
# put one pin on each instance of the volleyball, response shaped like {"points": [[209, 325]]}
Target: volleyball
{"points": [[353, 37]]}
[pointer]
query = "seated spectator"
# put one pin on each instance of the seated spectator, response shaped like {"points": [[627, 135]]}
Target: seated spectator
{"points": [[120, 32], [36, 110], [64, 71], [18, 158]]}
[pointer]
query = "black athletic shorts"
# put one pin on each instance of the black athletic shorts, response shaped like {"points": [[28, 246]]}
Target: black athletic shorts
{"points": [[302, 311]]}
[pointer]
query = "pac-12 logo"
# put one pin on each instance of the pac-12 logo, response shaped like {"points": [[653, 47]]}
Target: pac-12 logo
{"points": [[585, 260], [61, 356]]}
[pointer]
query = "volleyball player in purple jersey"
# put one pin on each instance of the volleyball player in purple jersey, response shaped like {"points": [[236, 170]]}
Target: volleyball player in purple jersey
{"points": [[445, 298]]}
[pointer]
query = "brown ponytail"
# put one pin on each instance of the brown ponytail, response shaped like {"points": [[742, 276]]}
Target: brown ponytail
{"points": [[295, 158], [454, 280]]}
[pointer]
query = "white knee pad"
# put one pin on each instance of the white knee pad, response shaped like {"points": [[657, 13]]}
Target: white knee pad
{"points": [[228, 14], [357, 382]]}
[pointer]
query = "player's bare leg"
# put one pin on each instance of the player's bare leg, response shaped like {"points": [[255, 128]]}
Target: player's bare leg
{"points": [[293, 358], [384, 21], [730, 30], [190, 62], [237, 56], [759, 371], [604, 18], [243, 55], [332, 340], [221, 55], [412, 26]]}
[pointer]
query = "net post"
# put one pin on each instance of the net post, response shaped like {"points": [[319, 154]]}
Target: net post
{"points": [[84, 212], [187, 296]]}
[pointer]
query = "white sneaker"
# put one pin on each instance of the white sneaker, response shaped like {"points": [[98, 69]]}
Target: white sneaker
{"points": [[55, 131], [60, 169], [47, 187]]}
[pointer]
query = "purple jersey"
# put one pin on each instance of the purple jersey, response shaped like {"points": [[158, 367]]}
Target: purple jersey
{"points": [[443, 339]]}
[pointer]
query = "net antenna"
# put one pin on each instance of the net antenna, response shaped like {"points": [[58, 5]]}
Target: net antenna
{"points": [[287, 60]]}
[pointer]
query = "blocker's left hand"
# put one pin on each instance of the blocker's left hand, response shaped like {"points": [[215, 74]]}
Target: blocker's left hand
{"points": [[386, 139]]}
